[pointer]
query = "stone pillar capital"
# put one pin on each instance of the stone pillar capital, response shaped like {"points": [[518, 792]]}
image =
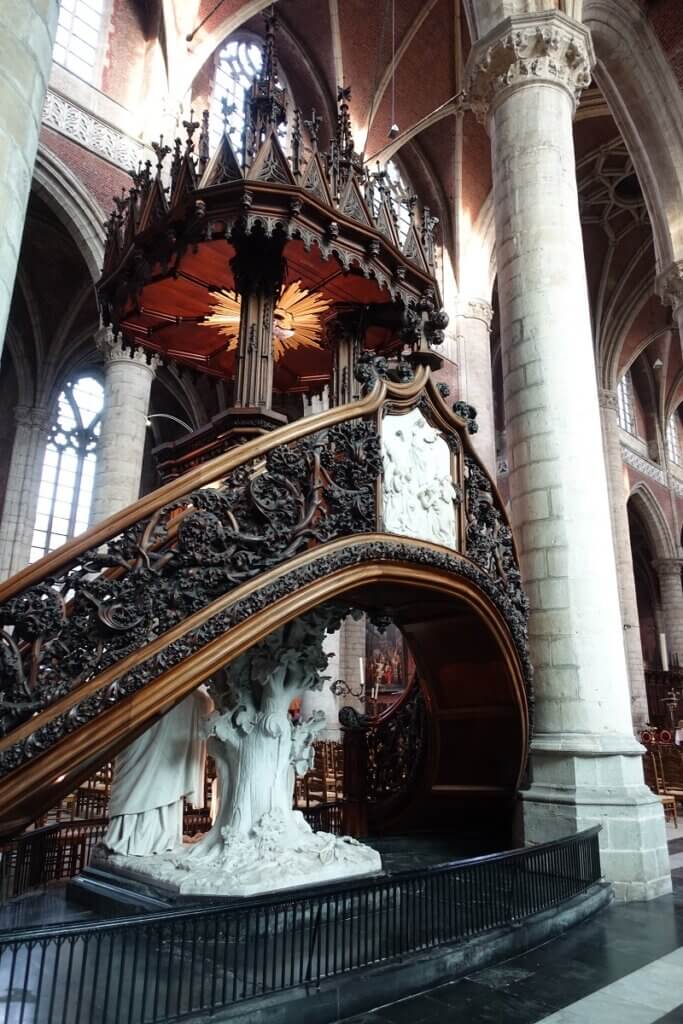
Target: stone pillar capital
{"points": [[669, 286], [607, 399], [542, 49], [668, 567], [475, 309], [114, 350], [32, 416]]}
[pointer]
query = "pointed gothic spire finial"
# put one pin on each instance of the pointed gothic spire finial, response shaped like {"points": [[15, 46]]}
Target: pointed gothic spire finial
{"points": [[161, 152], [269, 68], [313, 127], [203, 147], [190, 128], [265, 102]]}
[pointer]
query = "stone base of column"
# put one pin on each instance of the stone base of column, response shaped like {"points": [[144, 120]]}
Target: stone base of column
{"points": [[583, 780]]}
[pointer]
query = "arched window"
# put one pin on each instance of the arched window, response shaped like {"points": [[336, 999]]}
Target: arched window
{"points": [[79, 36], [68, 467], [625, 414], [673, 440], [236, 65], [400, 192]]}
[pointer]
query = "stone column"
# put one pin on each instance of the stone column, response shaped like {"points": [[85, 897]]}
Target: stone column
{"points": [[324, 699], [23, 484], [585, 768], [476, 382], [618, 495], [27, 31], [671, 594], [127, 384]]}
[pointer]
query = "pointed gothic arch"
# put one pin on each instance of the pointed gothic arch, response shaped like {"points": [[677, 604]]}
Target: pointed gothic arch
{"points": [[73, 205], [650, 513]]}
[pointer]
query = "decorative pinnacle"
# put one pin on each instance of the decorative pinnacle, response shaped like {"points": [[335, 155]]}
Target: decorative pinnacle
{"points": [[227, 110], [269, 71], [313, 127], [190, 128], [161, 151]]}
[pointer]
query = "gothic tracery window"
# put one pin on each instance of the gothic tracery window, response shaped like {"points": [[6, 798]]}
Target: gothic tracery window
{"points": [[79, 35], [400, 193], [673, 441], [236, 65], [625, 414], [68, 471]]}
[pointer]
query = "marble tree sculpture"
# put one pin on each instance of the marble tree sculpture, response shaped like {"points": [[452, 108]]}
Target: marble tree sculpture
{"points": [[258, 843]]}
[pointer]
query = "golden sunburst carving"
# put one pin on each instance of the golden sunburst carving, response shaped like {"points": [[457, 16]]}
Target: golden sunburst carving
{"points": [[297, 318]]}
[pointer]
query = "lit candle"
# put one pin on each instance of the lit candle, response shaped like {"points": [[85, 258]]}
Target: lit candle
{"points": [[361, 665], [663, 653]]}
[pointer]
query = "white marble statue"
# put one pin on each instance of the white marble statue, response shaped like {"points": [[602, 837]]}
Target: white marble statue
{"points": [[258, 843], [154, 776], [418, 485]]}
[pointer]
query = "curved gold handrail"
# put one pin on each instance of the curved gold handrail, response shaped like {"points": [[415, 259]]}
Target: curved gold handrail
{"points": [[202, 475], [217, 468], [55, 770]]}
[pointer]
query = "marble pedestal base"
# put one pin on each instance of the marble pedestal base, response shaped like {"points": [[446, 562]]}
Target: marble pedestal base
{"points": [[251, 865], [583, 780]]}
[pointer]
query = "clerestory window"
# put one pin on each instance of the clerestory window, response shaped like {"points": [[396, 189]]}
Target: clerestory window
{"points": [[68, 473], [79, 36], [625, 413], [673, 440]]}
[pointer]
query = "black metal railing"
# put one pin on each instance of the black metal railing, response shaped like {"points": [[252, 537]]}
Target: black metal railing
{"points": [[328, 817], [167, 966], [47, 854], [62, 849]]}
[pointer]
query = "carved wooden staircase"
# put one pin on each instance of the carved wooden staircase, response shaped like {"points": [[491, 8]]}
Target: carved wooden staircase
{"points": [[106, 634]]}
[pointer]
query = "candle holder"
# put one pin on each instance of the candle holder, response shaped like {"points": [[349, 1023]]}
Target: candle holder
{"points": [[671, 703]]}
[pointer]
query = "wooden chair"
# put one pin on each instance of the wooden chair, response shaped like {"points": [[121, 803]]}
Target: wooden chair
{"points": [[672, 770], [654, 776]]}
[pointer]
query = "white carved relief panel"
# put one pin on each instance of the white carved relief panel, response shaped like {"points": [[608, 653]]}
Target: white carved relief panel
{"points": [[418, 490]]}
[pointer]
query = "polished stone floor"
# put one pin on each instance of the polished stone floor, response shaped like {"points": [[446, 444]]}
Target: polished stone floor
{"points": [[42, 907], [623, 967]]}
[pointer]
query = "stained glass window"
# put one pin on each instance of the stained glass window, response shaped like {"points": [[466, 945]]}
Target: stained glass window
{"points": [[625, 414], [238, 62], [68, 467], [79, 34]]}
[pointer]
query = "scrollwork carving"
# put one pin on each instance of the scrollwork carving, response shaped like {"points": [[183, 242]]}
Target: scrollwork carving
{"points": [[396, 748], [143, 582], [510, 602], [489, 540]]}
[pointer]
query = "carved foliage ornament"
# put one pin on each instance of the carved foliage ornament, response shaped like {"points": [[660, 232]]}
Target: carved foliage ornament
{"points": [[396, 748], [356, 552], [551, 48], [670, 286], [489, 540], [66, 630]]}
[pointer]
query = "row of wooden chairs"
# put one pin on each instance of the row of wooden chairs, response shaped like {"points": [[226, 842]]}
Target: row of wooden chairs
{"points": [[663, 766], [324, 783]]}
